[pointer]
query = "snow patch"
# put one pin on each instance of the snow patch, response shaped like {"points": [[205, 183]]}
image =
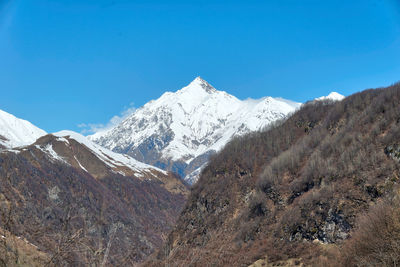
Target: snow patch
{"points": [[48, 150], [80, 165], [12, 151], [194, 176]]}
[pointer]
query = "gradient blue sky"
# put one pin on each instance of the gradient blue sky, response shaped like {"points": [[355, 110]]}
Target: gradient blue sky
{"points": [[68, 62]]}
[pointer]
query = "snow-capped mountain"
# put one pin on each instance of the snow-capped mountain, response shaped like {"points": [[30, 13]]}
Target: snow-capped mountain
{"points": [[332, 96], [17, 132], [179, 131]]}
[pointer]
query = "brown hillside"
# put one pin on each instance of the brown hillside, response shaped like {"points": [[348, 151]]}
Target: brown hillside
{"points": [[292, 194], [91, 216]]}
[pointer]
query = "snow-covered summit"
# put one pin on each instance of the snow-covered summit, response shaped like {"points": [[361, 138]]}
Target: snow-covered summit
{"points": [[179, 130], [16, 132], [332, 96], [199, 84]]}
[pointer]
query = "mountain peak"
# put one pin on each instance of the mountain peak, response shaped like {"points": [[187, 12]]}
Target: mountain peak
{"points": [[180, 130], [199, 82], [332, 96], [335, 96]]}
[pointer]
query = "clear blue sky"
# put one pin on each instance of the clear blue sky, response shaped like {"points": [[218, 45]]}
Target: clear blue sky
{"points": [[67, 62]]}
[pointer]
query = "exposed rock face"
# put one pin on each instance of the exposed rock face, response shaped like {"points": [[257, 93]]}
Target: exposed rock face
{"points": [[393, 151], [83, 207], [281, 193], [179, 131]]}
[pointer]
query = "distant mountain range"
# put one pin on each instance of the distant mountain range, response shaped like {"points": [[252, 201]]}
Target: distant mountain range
{"points": [[177, 132], [180, 130], [318, 188], [71, 196], [17, 134]]}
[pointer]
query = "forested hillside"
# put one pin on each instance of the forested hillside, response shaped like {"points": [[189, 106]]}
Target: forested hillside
{"points": [[67, 203], [320, 188]]}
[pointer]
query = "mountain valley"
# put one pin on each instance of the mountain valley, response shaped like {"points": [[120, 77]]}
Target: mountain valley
{"points": [[274, 183]]}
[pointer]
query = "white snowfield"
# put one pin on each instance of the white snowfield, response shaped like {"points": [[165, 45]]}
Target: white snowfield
{"points": [[198, 118], [110, 158], [17, 132]]}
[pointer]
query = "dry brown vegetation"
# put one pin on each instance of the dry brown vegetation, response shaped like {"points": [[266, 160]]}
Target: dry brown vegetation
{"points": [[376, 239], [297, 189], [16, 250], [77, 218]]}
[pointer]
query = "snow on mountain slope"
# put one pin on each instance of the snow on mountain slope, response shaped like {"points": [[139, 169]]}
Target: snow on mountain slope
{"points": [[180, 130], [332, 96], [114, 160], [16, 132]]}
